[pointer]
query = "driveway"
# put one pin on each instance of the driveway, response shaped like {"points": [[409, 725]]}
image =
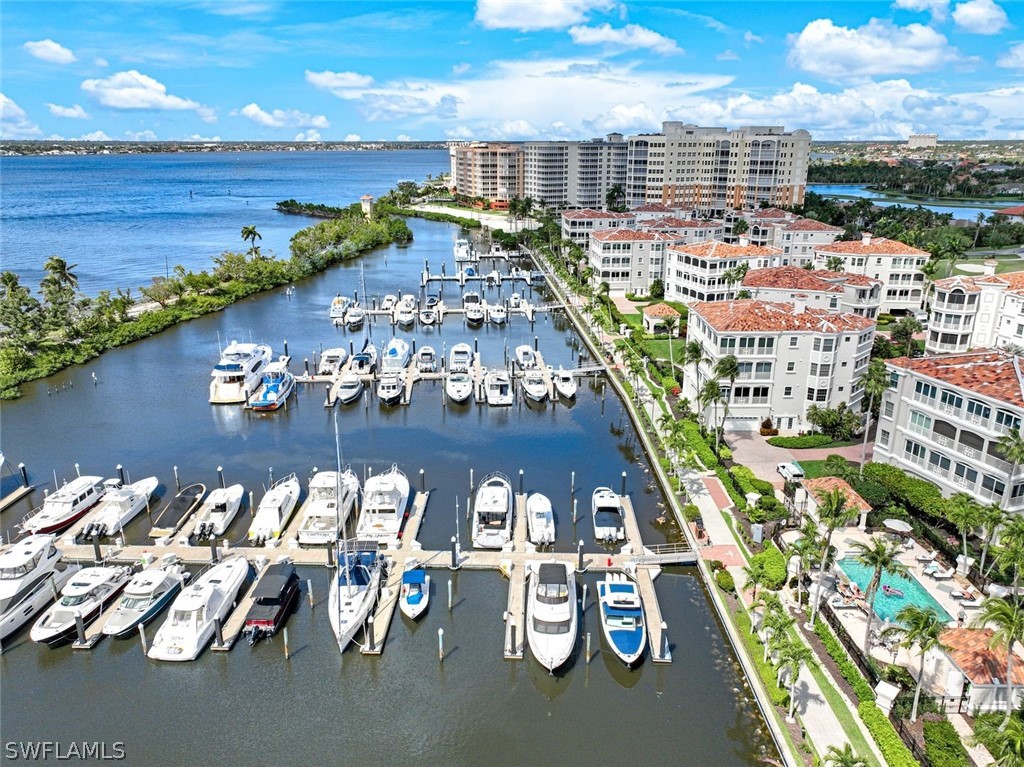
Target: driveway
{"points": [[750, 449]]}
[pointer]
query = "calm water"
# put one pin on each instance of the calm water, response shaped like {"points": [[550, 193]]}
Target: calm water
{"points": [[968, 211], [148, 411]]}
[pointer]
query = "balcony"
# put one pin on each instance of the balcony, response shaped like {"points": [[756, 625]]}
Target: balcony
{"points": [[929, 401], [961, 308], [933, 346], [918, 460]]}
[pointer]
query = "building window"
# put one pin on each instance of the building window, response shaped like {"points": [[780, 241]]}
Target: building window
{"points": [[888, 408], [817, 395], [993, 485], [939, 462], [978, 411], [794, 341], [925, 390], [883, 438], [920, 422], [965, 475], [790, 367], [914, 450], [1007, 420], [787, 392]]}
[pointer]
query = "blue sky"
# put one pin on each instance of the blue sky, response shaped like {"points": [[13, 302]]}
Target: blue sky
{"points": [[507, 69]]}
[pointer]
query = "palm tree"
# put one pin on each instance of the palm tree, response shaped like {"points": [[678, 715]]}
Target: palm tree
{"points": [[953, 248], [710, 395], [1008, 555], [804, 548], [776, 625], [833, 513], [919, 626], [727, 367], [693, 354], [992, 518], [882, 557], [903, 332], [1011, 448], [670, 326], [874, 382], [602, 292], [59, 269], [1005, 745], [793, 656], [835, 264], [966, 514], [755, 576], [250, 235], [615, 197], [1007, 621], [930, 270], [979, 222], [836, 757]]}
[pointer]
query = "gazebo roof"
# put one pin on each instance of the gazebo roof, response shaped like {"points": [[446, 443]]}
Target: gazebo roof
{"points": [[660, 310]]}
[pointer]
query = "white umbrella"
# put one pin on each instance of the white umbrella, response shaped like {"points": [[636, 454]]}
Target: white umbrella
{"points": [[898, 525]]}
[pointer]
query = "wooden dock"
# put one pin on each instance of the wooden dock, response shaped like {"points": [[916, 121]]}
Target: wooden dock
{"points": [[94, 631], [545, 373], [13, 497], [660, 652], [232, 629], [515, 617]]}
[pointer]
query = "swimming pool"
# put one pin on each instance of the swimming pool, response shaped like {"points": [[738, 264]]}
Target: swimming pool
{"points": [[886, 606]]}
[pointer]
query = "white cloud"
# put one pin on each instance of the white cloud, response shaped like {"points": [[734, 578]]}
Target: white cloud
{"points": [[353, 137], [283, 118], [338, 81], [708, 21], [625, 118], [727, 55], [982, 17], [142, 135], [461, 69], [310, 135], [100, 62], [14, 123], [48, 50], [197, 137], [629, 37], [1013, 58], [220, 8], [403, 137], [878, 48], [532, 15], [937, 8], [75, 113], [96, 135], [134, 90], [749, 37]]}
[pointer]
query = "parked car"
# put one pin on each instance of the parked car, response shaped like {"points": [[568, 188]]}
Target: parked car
{"points": [[791, 471]]}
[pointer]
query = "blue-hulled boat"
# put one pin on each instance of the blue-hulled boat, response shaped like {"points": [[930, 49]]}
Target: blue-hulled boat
{"points": [[622, 617], [415, 593], [145, 597], [276, 386]]}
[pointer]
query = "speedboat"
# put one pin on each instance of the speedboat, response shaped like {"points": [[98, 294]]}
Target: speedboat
{"points": [[460, 358], [525, 357], [218, 511], [238, 372], [431, 301], [470, 298], [534, 386], [390, 388], [428, 316], [119, 506], [622, 617], [551, 613], [497, 314], [609, 524], [331, 361], [353, 592], [170, 519], [515, 301], [415, 592], [31, 573], [350, 388], [145, 596], [190, 625], [498, 388], [540, 519], [396, 356], [65, 506], [322, 517], [385, 497], [475, 314], [464, 252], [565, 383], [405, 315], [274, 511], [86, 594], [458, 386], [492, 512], [426, 360], [276, 386], [339, 305], [273, 599], [388, 302], [365, 362], [354, 316]]}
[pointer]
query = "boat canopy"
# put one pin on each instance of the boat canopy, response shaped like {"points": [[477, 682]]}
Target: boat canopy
{"points": [[414, 576]]}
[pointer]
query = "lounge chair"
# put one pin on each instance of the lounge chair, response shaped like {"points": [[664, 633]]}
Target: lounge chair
{"points": [[926, 557], [971, 604], [964, 594], [842, 603], [943, 575], [908, 544]]}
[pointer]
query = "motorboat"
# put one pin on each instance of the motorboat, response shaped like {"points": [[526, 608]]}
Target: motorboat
{"points": [[565, 383], [331, 361], [622, 617], [458, 386], [497, 314], [272, 601], [534, 386], [470, 298], [464, 252], [475, 314], [365, 362], [350, 388], [190, 625], [540, 519], [431, 301], [515, 301], [237, 374], [354, 316], [339, 305], [410, 301], [552, 620], [415, 594], [274, 511], [606, 509], [428, 316], [396, 356], [492, 512], [460, 358], [405, 315], [525, 357], [322, 517], [276, 386], [385, 498], [390, 388], [353, 592], [388, 302], [426, 360], [498, 388], [65, 506], [218, 511], [119, 506], [31, 574], [86, 594], [171, 517], [146, 595]]}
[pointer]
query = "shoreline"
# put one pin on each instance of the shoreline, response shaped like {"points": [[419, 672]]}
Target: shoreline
{"points": [[952, 202]]}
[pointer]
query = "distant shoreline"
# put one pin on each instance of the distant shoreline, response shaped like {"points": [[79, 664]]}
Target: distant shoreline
{"points": [[52, 148]]}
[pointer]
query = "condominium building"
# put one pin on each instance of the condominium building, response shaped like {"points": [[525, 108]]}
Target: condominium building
{"points": [[491, 171], [574, 174], [790, 357], [578, 225], [709, 271], [829, 291], [713, 170], [894, 263], [629, 259], [796, 236], [688, 230], [923, 141], [942, 417], [986, 311]]}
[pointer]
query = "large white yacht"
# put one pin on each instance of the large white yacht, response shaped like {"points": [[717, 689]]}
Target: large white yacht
{"points": [[275, 510], [119, 506], [218, 511], [551, 614], [30, 574], [460, 358], [492, 512], [396, 356], [622, 617], [498, 388], [464, 252], [458, 386], [540, 519], [87, 593], [385, 497], [322, 517], [238, 372], [65, 506]]}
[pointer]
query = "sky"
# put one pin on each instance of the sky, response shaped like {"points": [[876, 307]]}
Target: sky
{"points": [[271, 70]]}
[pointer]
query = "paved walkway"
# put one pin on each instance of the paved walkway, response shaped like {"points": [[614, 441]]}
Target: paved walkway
{"points": [[979, 754]]}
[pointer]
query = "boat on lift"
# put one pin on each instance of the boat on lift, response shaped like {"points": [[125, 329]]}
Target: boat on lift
{"points": [[526, 357], [492, 512], [31, 572], [218, 511], [460, 358], [426, 360]]}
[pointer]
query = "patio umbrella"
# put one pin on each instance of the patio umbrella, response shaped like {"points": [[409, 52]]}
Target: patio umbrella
{"points": [[897, 525]]}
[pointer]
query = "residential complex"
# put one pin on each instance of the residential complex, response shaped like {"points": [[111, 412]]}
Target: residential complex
{"points": [[578, 225], [897, 265], [574, 174], [985, 311], [790, 357], [942, 417], [830, 291], [711, 271], [490, 171], [629, 260]]}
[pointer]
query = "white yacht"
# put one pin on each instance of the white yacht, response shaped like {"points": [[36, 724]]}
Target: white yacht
{"points": [[497, 314], [609, 519], [428, 316], [350, 388], [621, 613], [331, 361], [492, 512], [65, 506], [405, 315], [237, 374], [218, 511], [274, 511], [540, 519], [390, 388], [365, 362], [426, 360], [415, 595], [460, 358], [31, 572], [119, 506], [276, 385], [551, 613], [470, 298], [322, 517], [534, 386], [385, 497], [87, 593], [396, 356], [525, 357], [565, 383], [388, 302], [353, 592], [189, 626], [354, 316], [464, 252], [498, 388], [339, 305], [145, 596], [458, 386], [476, 314]]}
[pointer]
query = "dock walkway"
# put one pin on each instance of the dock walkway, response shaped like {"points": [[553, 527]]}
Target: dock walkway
{"points": [[232, 629]]}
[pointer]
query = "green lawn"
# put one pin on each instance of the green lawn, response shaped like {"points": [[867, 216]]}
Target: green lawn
{"points": [[658, 350], [635, 321], [1008, 262], [815, 469]]}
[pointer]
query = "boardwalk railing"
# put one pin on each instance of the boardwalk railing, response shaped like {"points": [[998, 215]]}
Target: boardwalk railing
{"points": [[681, 553]]}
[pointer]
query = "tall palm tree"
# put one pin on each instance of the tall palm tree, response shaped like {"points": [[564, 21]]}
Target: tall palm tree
{"points": [[59, 269], [966, 514], [670, 326], [979, 222], [874, 382], [930, 270], [1007, 622], [804, 549], [710, 396], [836, 757], [693, 354], [755, 576], [833, 512], [602, 292], [920, 626], [1008, 555], [953, 249], [727, 367], [792, 657], [882, 557], [1011, 448], [250, 235], [992, 518], [776, 625], [1005, 744]]}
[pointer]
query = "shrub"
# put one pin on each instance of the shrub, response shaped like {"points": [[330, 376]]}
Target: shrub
{"points": [[744, 479], [755, 650], [725, 453], [769, 432], [690, 512], [943, 745], [691, 436], [850, 672], [715, 565], [730, 487], [669, 383], [797, 443], [915, 494], [773, 562], [725, 581], [893, 749]]}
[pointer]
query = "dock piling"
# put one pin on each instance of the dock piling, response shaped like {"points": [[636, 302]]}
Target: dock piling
{"points": [[305, 363], [287, 654], [471, 481], [423, 481], [455, 556], [271, 483], [512, 634], [120, 472], [218, 631], [575, 501], [142, 638], [579, 549], [664, 639], [78, 473], [583, 602], [252, 506], [520, 481], [220, 476], [536, 343], [309, 587], [213, 549], [623, 492], [80, 627], [440, 645], [53, 589], [449, 595], [572, 484], [588, 648], [97, 556], [286, 347], [24, 474]]}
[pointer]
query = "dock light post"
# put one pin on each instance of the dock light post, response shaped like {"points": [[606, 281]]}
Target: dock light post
{"points": [[423, 481], [78, 473], [120, 472], [520, 482], [440, 645], [450, 595], [220, 476], [579, 551], [177, 482], [455, 556], [623, 484]]}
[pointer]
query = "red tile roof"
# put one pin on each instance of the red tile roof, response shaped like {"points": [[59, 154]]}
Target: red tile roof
{"points": [[660, 310], [752, 316], [1016, 210], [811, 225], [625, 235], [679, 223], [993, 373], [719, 249], [981, 664], [771, 213], [797, 278], [1012, 282], [654, 207], [588, 213], [819, 486], [875, 246]]}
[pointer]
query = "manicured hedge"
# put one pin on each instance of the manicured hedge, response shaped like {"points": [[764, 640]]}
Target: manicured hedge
{"points": [[917, 494], [744, 479], [943, 745], [696, 443], [774, 563], [797, 443], [765, 670], [888, 740], [725, 581], [850, 672], [730, 487]]}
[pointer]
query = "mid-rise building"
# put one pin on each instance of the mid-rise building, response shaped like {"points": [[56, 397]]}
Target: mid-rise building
{"points": [[790, 357], [574, 174], [942, 417], [829, 291], [923, 141], [689, 230], [578, 225], [896, 264], [978, 312], [491, 171], [712, 271], [629, 259]]}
